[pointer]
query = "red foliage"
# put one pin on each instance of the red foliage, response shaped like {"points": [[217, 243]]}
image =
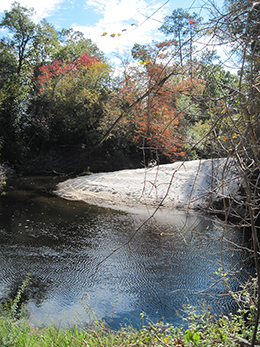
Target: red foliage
{"points": [[85, 61], [158, 125], [164, 44], [50, 72]]}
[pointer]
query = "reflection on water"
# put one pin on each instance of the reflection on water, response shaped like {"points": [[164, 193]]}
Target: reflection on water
{"points": [[60, 243]]}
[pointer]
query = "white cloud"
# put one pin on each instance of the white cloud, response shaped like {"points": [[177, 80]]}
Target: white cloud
{"points": [[112, 17], [118, 15], [98, 5], [43, 8]]}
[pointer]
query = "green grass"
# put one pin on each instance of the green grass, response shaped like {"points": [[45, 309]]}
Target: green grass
{"points": [[202, 329]]}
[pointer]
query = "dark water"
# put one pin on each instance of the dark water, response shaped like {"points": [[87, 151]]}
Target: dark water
{"points": [[60, 243]]}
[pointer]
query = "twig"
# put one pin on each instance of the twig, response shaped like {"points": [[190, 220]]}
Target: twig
{"points": [[84, 344], [165, 344]]}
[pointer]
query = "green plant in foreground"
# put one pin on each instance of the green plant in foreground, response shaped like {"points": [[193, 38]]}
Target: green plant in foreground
{"points": [[202, 328], [2, 184], [14, 326]]}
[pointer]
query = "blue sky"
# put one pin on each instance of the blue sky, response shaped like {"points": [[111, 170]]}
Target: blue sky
{"points": [[94, 17]]}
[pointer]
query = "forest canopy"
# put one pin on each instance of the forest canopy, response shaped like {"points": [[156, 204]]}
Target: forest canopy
{"points": [[60, 99]]}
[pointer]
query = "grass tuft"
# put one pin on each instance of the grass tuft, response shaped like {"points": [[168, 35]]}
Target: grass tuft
{"points": [[202, 328]]}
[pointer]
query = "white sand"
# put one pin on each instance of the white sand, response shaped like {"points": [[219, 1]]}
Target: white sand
{"points": [[182, 185]]}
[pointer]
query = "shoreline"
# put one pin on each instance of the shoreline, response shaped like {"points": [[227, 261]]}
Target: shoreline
{"points": [[181, 185]]}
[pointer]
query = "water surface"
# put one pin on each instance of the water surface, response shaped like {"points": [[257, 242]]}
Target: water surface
{"points": [[61, 243]]}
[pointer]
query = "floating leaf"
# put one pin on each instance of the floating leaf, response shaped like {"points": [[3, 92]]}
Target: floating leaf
{"points": [[113, 35], [104, 34], [118, 35], [124, 30]]}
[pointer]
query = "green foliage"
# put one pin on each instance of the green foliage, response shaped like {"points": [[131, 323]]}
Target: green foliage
{"points": [[202, 328], [190, 109], [13, 326], [197, 140], [140, 52], [75, 94], [2, 182], [7, 63], [23, 31], [73, 44], [210, 115], [27, 121], [45, 45], [79, 108], [182, 26], [177, 23]]}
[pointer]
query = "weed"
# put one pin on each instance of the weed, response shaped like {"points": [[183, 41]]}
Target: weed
{"points": [[203, 328]]}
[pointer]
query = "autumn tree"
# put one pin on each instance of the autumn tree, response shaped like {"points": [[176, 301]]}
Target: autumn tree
{"points": [[157, 123], [26, 47], [72, 96]]}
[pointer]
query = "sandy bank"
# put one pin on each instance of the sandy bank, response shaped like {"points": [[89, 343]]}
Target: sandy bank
{"points": [[183, 185]]}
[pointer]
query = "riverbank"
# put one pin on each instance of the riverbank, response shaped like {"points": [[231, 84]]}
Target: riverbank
{"points": [[181, 185], [206, 330]]}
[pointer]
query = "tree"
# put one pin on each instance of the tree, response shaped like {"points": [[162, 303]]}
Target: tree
{"points": [[45, 45], [182, 26], [72, 96], [27, 48], [15, 78], [73, 44], [22, 30], [157, 123], [237, 116]]}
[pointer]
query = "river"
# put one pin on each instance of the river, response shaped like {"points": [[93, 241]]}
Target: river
{"points": [[171, 261]]}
